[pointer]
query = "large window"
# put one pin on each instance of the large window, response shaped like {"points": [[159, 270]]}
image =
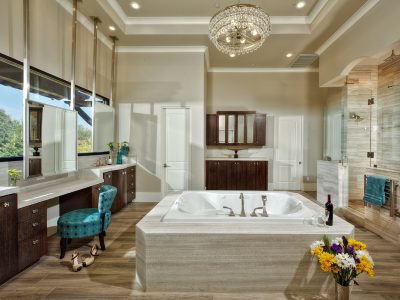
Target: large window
{"points": [[11, 141], [46, 89]]}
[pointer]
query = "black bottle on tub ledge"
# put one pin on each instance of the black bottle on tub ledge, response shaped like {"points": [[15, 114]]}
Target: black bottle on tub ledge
{"points": [[329, 211]]}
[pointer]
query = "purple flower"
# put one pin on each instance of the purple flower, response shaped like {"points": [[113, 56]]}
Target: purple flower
{"points": [[350, 250], [325, 248], [336, 248]]}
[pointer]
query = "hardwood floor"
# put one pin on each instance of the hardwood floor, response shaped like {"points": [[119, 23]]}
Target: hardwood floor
{"points": [[112, 276]]}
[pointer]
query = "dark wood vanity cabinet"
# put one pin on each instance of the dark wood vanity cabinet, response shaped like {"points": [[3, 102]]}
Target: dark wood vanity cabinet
{"points": [[236, 128], [8, 237], [32, 234], [125, 182], [131, 183], [236, 175]]}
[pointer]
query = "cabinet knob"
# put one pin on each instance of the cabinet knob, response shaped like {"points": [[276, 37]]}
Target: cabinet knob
{"points": [[6, 204], [35, 211], [108, 176], [35, 224], [35, 242], [99, 189]]}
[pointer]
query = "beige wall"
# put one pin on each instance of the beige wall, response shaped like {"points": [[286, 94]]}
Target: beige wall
{"points": [[147, 82], [374, 32], [51, 38], [276, 94]]}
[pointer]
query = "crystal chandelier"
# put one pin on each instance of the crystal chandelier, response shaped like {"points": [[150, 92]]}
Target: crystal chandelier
{"points": [[239, 29]]}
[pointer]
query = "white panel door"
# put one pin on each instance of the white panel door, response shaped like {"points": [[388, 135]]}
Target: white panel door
{"points": [[288, 164], [176, 150]]}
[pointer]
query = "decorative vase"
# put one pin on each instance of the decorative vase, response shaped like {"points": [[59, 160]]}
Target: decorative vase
{"points": [[342, 292], [119, 158]]}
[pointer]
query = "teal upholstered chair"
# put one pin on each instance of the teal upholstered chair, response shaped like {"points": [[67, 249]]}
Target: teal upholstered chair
{"points": [[86, 222]]}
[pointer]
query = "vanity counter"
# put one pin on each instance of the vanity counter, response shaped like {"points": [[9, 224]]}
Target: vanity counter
{"points": [[99, 171], [42, 192], [7, 190], [238, 159]]}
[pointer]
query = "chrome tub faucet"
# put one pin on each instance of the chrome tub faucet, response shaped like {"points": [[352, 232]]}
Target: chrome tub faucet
{"points": [[264, 201], [231, 212], [242, 212]]}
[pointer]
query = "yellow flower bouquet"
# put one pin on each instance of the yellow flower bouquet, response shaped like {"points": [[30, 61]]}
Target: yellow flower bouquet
{"points": [[344, 258]]}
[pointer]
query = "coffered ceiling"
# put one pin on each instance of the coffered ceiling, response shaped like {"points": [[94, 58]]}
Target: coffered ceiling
{"points": [[180, 23]]}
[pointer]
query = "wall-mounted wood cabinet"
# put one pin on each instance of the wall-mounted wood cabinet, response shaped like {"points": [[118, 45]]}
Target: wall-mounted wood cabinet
{"points": [[236, 128], [236, 175]]}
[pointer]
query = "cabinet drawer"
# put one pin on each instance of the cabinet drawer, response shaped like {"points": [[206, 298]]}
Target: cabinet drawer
{"points": [[130, 185], [131, 196], [26, 213], [131, 170], [107, 176], [31, 249], [32, 227]]}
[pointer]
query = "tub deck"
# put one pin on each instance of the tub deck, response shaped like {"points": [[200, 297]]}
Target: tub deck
{"points": [[230, 257]]}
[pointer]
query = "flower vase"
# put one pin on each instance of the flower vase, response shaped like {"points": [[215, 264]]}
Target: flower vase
{"points": [[119, 158], [342, 292]]}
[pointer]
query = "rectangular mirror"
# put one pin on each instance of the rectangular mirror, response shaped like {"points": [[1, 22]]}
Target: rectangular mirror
{"points": [[52, 140], [221, 129], [103, 131]]}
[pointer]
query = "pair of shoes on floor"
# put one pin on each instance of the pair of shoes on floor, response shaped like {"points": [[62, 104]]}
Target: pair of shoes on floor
{"points": [[84, 260]]}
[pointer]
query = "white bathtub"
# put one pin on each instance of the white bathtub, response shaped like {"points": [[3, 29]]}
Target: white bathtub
{"points": [[199, 206]]}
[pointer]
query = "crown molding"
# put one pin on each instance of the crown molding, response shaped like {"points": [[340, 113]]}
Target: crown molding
{"points": [[263, 70], [347, 25], [87, 23], [162, 49], [199, 25]]}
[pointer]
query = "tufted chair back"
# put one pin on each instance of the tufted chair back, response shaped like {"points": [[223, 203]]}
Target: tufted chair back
{"points": [[106, 198]]}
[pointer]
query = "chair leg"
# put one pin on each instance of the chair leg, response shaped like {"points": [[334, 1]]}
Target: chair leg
{"points": [[63, 247], [69, 241], [101, 239]]}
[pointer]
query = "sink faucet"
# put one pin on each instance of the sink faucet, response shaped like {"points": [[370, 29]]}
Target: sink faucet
{"points": [[264, 201], [242, 212]]}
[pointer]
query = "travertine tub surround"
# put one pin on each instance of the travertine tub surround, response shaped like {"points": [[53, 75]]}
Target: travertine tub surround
{"points": [[230, 257]]}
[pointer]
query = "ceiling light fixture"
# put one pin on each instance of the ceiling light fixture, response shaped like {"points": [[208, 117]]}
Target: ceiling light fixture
{"points": [[135, 5], [239, 29], [300, 4], [112, 28], [289, 55], [232, 54]]}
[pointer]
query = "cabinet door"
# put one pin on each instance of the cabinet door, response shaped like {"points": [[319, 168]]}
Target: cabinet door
{"points": [[260, 127], [251, 176], [107, 176], [222, 129], [231, 129], [241, 175], [211, 129], [261, 176], [222, 178], [211, 174], [8, 237], [119, 181]]}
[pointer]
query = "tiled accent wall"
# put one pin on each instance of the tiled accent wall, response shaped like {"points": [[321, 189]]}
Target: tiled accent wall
{"points": [[363, 85], [389, 115]]}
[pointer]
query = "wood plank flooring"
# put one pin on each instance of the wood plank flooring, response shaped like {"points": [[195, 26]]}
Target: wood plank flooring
{"points": [[112, 276]]}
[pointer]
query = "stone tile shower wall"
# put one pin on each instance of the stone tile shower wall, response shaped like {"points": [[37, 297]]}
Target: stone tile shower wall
{"points": [[362, 85], [389, 115]]}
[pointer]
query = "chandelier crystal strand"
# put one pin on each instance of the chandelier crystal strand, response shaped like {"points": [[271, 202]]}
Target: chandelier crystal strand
{"points": [[239, 29]]}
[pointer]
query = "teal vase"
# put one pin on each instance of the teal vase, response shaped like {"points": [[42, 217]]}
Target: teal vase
{"points": [[119, 158]]}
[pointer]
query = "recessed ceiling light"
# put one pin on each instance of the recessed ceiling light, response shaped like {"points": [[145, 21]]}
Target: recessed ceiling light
{"points": [[232, 55], [112, 28], [254, 32], [289, 55], [135, 5], [300, 4]]}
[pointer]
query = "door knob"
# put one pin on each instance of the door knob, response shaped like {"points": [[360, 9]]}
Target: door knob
{"points": [[165, 166]]}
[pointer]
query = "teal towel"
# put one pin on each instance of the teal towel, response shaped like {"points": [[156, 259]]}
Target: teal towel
{"points": [[375, 190]]}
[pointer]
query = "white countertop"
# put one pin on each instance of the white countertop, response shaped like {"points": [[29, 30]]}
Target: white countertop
{"points": [[238, 159], [7, 190], [103, 169], [32, 195]]}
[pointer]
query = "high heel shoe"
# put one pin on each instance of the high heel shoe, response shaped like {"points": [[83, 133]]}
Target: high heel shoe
{"points": [[88, 260], [76, 265]]}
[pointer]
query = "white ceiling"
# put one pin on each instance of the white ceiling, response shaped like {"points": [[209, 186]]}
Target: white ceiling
{"points": [[185, 23]]}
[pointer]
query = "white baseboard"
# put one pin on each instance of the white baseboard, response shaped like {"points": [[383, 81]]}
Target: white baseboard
{"points": [[147, 197]]}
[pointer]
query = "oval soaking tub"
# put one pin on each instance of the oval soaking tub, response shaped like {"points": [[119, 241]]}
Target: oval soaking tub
{"points": [[199, 206]]}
